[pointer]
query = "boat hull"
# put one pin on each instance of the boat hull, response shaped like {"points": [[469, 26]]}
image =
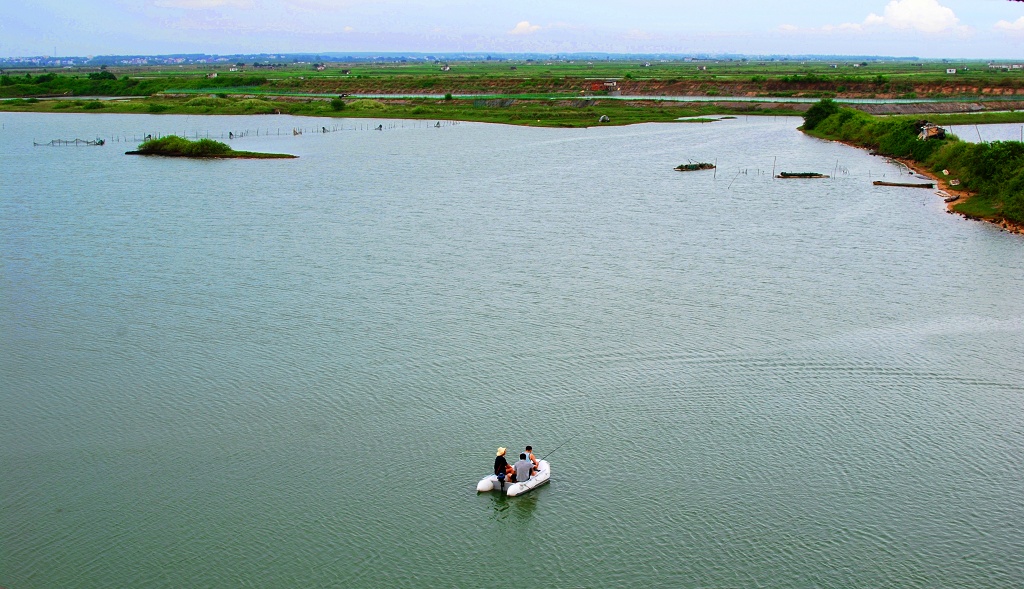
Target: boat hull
{"points": [[491, 483]]}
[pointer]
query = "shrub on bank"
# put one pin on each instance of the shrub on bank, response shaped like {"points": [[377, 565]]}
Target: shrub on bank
{"points": [[821, 110], [174, 145]]}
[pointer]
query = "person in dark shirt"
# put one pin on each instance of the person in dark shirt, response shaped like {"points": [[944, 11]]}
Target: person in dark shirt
{"points": [[502, 467]]}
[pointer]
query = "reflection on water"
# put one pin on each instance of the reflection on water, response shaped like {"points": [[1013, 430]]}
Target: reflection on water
{"points": [[515, 509]]}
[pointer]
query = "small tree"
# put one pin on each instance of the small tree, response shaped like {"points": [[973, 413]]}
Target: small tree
{"points": [[448, 96], [821, 110], [337, 104]]}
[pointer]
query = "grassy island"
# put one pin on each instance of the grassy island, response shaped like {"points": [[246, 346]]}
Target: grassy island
{"points": [[174, 146], [991, 173]]}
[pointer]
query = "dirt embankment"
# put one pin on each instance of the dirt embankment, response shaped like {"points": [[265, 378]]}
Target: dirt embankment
{"points": [[939, 107], [695, 87], [945, 188], [712, 87], [443, 83]]}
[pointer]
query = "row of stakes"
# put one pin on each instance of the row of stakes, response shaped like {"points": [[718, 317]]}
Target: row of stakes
{"points": [[295, 131]]}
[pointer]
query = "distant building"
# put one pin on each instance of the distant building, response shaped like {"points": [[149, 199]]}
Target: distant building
{"points": [[211, 75], [931, 131], [951, 70]]}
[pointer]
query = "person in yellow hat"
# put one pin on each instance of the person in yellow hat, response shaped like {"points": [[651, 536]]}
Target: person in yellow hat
{"points": [[502, 467]]}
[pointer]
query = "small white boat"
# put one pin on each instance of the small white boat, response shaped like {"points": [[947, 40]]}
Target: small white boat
{"points": [[491, 483]]}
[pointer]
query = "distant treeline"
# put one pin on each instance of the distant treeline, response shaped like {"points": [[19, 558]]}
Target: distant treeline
{"points": [[107, 84], [994, 171]]}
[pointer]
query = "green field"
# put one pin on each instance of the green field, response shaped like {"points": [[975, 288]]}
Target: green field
{"points": [[568, 93], [541, 78], [541, 113]]}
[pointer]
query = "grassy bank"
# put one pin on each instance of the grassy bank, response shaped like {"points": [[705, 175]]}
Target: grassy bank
{"points": [[981, 118], [107, 84], [541, 113], [993, 172], [174, 146]]}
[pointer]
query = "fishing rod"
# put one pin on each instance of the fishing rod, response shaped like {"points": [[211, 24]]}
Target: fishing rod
{"points": [[560, 445]]}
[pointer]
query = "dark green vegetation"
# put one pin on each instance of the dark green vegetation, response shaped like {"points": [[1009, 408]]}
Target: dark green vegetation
{"points": [[174, 146], [693, 167], [543, 113], [821, 110], [106, 83], [993, 171]]}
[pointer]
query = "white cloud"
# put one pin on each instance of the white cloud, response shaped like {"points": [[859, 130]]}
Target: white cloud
{"points": [[1016, 26], [923, 15], [348, 30], [873, 20], [524, 28], [789, 28], [926, 16]]}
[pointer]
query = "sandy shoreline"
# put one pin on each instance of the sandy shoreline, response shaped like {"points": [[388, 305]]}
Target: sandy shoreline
{"points": [[943, 185], [944, 188]]}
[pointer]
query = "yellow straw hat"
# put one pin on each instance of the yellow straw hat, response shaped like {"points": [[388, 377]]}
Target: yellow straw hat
{"points": [[501, 451]]}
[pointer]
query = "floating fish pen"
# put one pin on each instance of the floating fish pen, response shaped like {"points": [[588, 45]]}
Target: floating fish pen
{"points": [[905, 184], [792, 175], [694, 167], [62, 142]]}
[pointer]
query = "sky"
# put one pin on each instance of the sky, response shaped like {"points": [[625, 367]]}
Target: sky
{"points": [[966, 29]]}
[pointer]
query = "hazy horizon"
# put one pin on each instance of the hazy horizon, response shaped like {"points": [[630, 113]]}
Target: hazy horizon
{"points": [[928, 29]]}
